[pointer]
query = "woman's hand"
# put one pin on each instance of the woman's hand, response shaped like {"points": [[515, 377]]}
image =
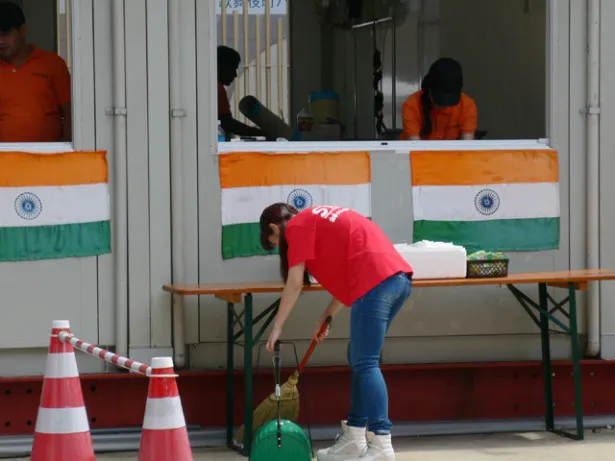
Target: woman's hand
{"points": [[275, 334], [319, 336], [331, 311]]}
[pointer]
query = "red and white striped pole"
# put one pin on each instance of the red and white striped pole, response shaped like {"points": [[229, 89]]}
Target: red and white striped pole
{"points": [[107, 356], [164, 436], [62, 430]]}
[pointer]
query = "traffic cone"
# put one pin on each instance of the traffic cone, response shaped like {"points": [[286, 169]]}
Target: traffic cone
{"points": [[62, 430], [164, 436]]}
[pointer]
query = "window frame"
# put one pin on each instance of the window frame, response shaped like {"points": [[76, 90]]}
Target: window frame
{"points": [[551, 63]]}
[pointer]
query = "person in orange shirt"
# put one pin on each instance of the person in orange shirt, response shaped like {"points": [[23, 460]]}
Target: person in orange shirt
{"points": [[228, 62], [440, 110], [35, 88]]}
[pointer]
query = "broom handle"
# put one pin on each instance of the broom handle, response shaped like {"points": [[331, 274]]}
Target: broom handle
{"points": [[308, 354], [276, 364]]}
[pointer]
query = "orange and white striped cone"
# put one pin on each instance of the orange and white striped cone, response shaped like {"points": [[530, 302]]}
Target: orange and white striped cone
{"points": [[164, 436], [62, 430]]}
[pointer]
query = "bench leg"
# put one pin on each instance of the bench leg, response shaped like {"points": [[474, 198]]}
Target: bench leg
{"points": [[546, 356], [179, 338], [543, 321], [247, 366], [576, 358], [230, 373]]}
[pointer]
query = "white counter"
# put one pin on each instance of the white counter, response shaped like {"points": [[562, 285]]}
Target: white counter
{"points": [[401, 147]]}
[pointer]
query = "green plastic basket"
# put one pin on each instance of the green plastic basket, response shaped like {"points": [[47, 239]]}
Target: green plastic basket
{"points": [[487, 268], [295, 444]]}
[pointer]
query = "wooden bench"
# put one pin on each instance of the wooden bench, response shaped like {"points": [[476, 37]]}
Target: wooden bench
{"points": [[542, 313]]}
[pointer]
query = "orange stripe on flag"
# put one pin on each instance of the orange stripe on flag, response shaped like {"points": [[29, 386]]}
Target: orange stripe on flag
{"points": [[19, 169], [465, 168], [257, 169]]}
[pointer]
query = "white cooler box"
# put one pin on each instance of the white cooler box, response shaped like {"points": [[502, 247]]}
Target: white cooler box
{"points": [[435, 260]]}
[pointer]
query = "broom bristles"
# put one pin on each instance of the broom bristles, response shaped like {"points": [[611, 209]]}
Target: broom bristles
{"points": [[268, 409]]}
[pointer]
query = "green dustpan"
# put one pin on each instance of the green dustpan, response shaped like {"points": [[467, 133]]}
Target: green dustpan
{"points": [[294, 444], [280, 439]]}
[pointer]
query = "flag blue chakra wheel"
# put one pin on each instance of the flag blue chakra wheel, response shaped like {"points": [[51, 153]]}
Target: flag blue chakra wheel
{"points": [[487, 202], [300, 199], [28, 206]]}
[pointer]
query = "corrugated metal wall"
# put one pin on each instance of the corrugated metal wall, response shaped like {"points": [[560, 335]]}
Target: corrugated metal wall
{"points": [[442, 325]]}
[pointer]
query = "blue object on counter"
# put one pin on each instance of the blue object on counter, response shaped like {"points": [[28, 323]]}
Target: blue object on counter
{"points": [[221, 133]]}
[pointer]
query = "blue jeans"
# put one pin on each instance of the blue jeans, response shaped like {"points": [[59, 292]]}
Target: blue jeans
{"points": [[370, 319]]}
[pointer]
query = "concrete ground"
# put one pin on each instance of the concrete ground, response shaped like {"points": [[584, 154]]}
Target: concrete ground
{"points": [[535, 446]]}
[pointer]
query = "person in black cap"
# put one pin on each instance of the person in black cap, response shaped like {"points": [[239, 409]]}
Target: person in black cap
{"points": [[440, 110], [35, 87]]}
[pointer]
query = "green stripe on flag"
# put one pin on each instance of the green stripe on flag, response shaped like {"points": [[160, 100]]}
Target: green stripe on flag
{"points": [[240, 240], [494, 235], [51, 242]]}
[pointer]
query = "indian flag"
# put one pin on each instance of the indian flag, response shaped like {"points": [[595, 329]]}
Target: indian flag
{"points": [[53, 205], [251, 182], [487, 200]]}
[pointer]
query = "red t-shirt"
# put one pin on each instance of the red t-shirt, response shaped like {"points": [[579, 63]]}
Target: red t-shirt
{"points": [[347, 253]]}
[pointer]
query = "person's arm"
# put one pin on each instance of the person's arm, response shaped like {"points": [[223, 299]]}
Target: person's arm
{"points": [[332, 309], [230, 125], [61, 81], [301, 249], [469, 120], [411, 120], [290, 294]]}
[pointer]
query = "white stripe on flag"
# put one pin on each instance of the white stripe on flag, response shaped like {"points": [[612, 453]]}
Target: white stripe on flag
{"points": [[463, 203], [62, 420], [53, 205], [242, 205]]}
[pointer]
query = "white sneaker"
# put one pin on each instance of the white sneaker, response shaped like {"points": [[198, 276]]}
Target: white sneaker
{"points": [[352, 442], [380, 449]]}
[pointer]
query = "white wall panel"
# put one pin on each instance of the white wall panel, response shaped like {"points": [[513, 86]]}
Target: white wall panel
{"points": [[137, 84], [190, 158], [212, 315], [83, 79], [570, 132], [556, 106], [159, 169], [102, 91], [34, 293], [83, 116]]}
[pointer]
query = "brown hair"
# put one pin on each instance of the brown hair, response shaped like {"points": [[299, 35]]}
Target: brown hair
{"points": [[279, 214]]}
